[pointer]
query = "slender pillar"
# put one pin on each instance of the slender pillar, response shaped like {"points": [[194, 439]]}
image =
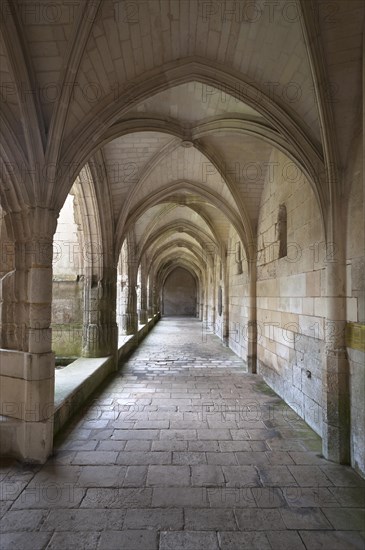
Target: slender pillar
{"points": [[205, 313], [130, 317], [150, 299], [335, 377], [252, 321], [143, 313], [225, 303], [155, 300], [212, 308]]}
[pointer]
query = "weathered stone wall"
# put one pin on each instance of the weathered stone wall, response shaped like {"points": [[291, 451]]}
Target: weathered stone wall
{"points": [[67, 318], [179, 293], [290, 291], [237, 295], [355, 270], [67, 307]]}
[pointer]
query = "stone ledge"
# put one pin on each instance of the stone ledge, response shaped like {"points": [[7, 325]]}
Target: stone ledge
{"points": [[75, 383], [25, 366], [29, 442]]}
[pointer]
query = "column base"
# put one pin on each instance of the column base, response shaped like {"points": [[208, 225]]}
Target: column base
{"points": [[336, 408], [252, 364], [335, 444], [30, 442], [99, 340], [143, 316], [129, 324]]}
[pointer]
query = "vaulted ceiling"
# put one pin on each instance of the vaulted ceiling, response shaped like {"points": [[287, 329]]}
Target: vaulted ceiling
{"points": [[178, 103]]}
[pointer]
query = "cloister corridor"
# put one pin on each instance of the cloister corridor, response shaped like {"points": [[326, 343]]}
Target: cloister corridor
{"points": [[183, 450], [182, 260]]}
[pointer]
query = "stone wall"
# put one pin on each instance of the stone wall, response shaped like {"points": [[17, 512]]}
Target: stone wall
{"points": [[67, 307], [290, 291], [67, 318], [180, 293]]}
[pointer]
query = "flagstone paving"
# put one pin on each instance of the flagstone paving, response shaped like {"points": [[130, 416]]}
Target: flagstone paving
{"points": [[183, 450]]}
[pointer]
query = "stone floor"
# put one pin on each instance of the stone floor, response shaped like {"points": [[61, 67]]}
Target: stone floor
{"points": [[183, 450]]}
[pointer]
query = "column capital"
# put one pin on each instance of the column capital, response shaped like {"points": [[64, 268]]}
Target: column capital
{"points": [[32, 223]]}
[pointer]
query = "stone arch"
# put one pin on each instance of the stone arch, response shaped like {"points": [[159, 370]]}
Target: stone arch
{"points": [[191, 229], [89, 279], [170, 193], [183, 246], [91, 134]]}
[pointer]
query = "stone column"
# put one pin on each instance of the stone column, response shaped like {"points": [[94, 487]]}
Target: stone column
{"points": [[225, 304], [142, 313], [212, 306], [100, 330], [120, 302], [225, 327], [335, 378], [26, 358], [130, 317], [155, 299], [205, 313], [252, 321], [201, 308], [150, 298]]}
